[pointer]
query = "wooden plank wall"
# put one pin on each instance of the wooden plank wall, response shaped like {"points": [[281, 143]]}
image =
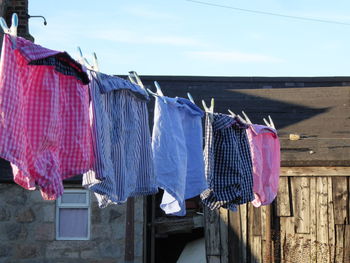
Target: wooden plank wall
{"points": [[308, 222]]}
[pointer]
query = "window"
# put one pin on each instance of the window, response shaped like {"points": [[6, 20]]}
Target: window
{"points": [[73, 215]]}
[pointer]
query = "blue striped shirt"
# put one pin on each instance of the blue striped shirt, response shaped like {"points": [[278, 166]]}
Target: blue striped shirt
{"points": [[123, 164]]}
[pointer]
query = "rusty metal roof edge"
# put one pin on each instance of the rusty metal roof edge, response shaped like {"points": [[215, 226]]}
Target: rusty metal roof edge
{"points": [[315, 163]]}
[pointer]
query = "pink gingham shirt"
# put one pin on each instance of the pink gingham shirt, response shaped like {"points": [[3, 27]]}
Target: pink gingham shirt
{"points": [[44, 120], [265, 151]]}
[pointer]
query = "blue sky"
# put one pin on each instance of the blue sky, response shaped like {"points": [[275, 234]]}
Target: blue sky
{"points": [[184, 38]]}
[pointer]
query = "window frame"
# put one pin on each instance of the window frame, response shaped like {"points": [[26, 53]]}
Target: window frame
{"points": [[86, 205]]}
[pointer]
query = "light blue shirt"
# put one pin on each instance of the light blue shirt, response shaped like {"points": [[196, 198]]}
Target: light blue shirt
{"points": [[178, 152]]}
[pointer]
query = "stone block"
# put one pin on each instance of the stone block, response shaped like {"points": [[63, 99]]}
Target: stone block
{"points": [[71, 254], [25, 216], [27, 251], [5, 250], [4, 188], [35, 196], [69, 245], [111, 249], [100, 232], [117, 230], [16, 231], [106, 260], [62, 253], [90, 254], [45, 232], [18, 196], [28, 260], [113, 215], [52, 254], [48, 213], [95, 213], [5, 214]]}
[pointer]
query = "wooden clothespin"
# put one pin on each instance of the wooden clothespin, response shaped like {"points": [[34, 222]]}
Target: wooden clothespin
{"points": [[14, 24], [134, 78], [95, 65], [159, 92], [270, 123], [247, 120], [131, 78], [80, 56], [206, 109], [232, 113], [12, 31], [239, 116], [82, 60], [190, 97]]}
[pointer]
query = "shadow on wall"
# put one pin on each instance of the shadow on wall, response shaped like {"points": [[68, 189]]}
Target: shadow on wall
{"points": [[256, 103], [228, 236], [248, 235]]}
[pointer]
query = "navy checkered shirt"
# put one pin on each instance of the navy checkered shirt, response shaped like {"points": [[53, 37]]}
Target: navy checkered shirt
{"points": [[228, 163]]}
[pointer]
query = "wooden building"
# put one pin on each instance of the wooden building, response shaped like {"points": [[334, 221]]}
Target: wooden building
{"points": [[309, 220]]}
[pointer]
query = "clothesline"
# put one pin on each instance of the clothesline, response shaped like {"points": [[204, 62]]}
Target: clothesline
{"points": [[59, 119]]}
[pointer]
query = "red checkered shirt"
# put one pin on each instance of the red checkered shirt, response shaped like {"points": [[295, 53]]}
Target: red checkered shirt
{"points": [[44, 119]]}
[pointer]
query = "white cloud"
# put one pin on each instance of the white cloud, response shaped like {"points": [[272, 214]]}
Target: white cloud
{"points": [[172, 40], [256, 36], [232, 56], [126, 36], [332, 46], [341, 18], [149, 14]]}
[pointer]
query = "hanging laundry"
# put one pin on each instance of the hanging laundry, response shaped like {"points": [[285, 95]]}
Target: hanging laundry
{"points": [[44, 116], [228, 164], [177, 152], [123, 164], [265, 150]]}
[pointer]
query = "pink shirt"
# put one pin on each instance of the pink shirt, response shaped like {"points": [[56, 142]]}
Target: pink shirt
{"points": [[265, 151], [44, 119]]}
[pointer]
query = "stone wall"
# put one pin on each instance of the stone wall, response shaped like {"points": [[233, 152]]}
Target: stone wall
{"points": [[27, 231]]}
